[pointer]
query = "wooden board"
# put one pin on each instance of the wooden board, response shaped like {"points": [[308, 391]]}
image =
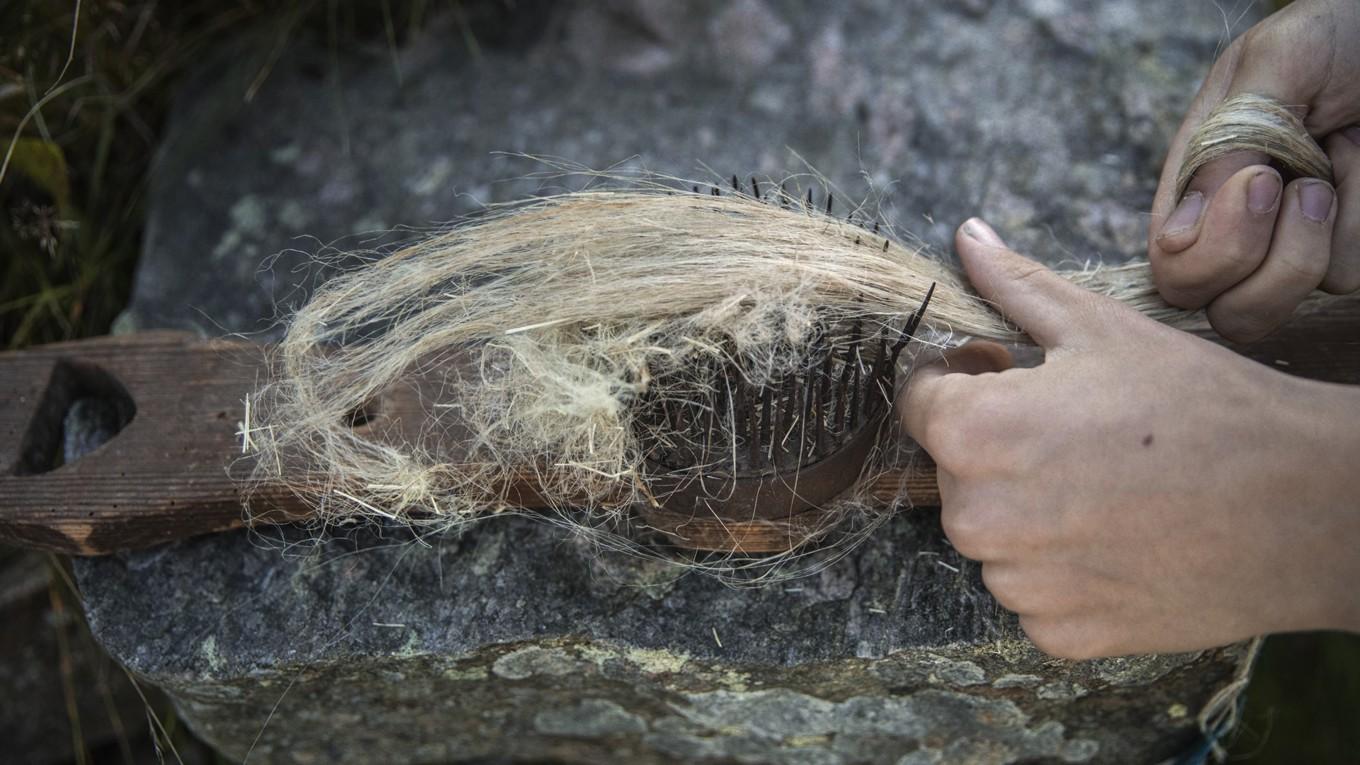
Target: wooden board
{"points": [[176, 467]]}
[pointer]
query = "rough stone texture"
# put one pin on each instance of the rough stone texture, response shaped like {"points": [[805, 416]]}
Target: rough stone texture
{"points": [[513, 642], [1049, 117]]}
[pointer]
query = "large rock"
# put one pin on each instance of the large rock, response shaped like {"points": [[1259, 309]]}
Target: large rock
{"points": [[1048, 117], [513, 641]]}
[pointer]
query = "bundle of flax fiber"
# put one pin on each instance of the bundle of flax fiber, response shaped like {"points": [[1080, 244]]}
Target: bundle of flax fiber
{"points": [[576, 308]]}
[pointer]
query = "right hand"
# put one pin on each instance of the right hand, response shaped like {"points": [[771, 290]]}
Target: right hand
{"points": [[1234, 243], [1142, 490]]}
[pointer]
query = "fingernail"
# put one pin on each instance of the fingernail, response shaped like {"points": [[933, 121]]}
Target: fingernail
{"points": [[1352, 134], [979, 230], [1185, 214], [1263, 192], [1315, 201]]}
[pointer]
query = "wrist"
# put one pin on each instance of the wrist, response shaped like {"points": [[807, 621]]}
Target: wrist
{"points": [[1327, 504]]}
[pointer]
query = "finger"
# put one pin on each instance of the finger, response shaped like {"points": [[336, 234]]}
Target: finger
{"points": [[919, 403], [1299, 58], [1182, 227], [1216, 237], [985, 523], [1294, 266], [1343, 272], [1074, 637], [1052, 310], [1294, 57], [1210, 94], [1037, 587], [1006, 584]]}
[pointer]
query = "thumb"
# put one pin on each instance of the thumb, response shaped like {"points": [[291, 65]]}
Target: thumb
{"points": [[1046, 306], [917, 405]]}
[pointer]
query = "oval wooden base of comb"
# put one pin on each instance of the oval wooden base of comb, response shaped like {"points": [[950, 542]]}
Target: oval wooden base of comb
{"points": [[766, 513]]}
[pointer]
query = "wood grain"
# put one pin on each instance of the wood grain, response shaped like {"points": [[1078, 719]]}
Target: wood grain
{"points": [[176, 468], [169, 473]]}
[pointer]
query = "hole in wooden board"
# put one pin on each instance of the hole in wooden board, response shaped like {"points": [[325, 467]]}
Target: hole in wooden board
{"points": [[82, 408]]}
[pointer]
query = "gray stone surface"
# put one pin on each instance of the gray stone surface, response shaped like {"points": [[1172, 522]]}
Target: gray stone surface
{"points": [[1047, 116], [514, 642]]}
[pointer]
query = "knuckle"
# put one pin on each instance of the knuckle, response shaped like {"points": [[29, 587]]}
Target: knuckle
{"points": [[941, 439], [1178, 287], [1001, 584], [948, 434], [1255, 43], [1244, 320], [967, 531], [1186, 298], [1027, 272], [1234, 257], [1305, 268], [1241, 326]]}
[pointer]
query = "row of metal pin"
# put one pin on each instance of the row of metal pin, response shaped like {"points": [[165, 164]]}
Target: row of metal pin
{"points": [[792, 420], [795, 420], [794, 408]]}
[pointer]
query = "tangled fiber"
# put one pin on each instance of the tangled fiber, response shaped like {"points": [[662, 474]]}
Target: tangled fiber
{"points": [[537, 327]]}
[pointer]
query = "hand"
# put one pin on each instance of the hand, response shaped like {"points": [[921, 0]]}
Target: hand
{"points": [[1235, 243], [1142, 490]]}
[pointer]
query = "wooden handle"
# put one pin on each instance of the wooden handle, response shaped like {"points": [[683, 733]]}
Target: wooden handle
{"points": [[169, 473], [175, 468]]}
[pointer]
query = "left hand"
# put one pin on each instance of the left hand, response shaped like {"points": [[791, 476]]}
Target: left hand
{"points": [[1241, 243]]}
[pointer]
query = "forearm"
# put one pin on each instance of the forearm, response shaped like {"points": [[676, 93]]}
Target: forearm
{"points": [[1329, 490]]}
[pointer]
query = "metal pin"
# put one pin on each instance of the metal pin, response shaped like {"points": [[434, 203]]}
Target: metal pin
{"points": [[809, 394], [856, 387], [843, 389], [766, 427], [823, 397], [909, 330]]}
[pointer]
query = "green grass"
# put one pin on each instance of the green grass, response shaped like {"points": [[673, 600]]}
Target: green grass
{"points": [[87, 102]]}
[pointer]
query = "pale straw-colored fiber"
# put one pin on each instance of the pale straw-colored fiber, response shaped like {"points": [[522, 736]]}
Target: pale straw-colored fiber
{"points": [[572, 307]]}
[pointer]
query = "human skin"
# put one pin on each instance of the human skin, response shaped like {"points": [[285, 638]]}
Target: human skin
{"points": [[1142, 490], [1234, 244]]}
